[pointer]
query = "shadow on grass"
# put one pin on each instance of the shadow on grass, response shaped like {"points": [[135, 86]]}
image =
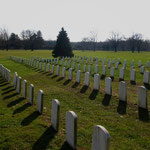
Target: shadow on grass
{"points": [[112, 78], [3, 84], [75, 85], [43, 141], [20, 99], [133, 82], [66, 146], [67, 82], [9, 87], [61, 78], [22, 108], [84, 89], [121, 109], [143, 114], [49, 74], [121, 80], [10, 96], [102, 77], [26, 121], [93, 94], [54, 76], [147, 86], [106, 100], [11, 90]]}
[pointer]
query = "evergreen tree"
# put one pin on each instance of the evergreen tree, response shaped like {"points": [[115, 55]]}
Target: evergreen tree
{"points": [[62, 47]]}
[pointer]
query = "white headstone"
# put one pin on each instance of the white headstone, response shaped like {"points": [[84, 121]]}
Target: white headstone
{"points": [[132, 75], [31, 94], [44, 67], [40, 101], [78, 68], [48, 67], [96, 69], [24, 89], [140, 63], [71, 129], [70, 74], [142, 70], [52, 68], [73, 66], [100, 138], [84, 68], [57, 71], [112, 72], [104, 71], [147, 64], [96, 81], [142, 97], [89, 68], [108, 86], [78, 76], [121, 74], [15, 79], [123, 91], [87, 79], [19, 85], [63, 72], [146, 77], [55, 114]]}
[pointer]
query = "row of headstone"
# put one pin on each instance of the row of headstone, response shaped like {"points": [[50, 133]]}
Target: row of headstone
{"points": [[112, 70], [5, 73], [100, 136]]}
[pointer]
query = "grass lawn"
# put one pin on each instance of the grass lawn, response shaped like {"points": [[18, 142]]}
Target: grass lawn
{"points": [[22, 128]]}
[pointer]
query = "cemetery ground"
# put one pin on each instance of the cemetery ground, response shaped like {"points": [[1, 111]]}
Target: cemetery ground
{"points": [[21, 127]]}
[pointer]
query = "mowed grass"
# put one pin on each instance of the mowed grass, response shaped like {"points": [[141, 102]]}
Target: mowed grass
{"points": [[22, 128]]}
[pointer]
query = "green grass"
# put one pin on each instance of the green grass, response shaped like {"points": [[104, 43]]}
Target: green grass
{"points": [[21, 128]]}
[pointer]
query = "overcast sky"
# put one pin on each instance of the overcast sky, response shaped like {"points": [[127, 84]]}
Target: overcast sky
{"points": [[78, 17]]}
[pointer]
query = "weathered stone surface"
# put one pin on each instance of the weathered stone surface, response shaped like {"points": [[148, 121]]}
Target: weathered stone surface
{"points": [[70, 74], [123, 91], [142, 97], [78, 67], [19, 85], [55, 114], [147, 64], [48, 67], [104, 71], [108, 86], [89, 68], [71, 129], [100, 138], [96, 69], [31, 94], [87, 79], [24, 89], [112, 72], [121, 74], [146, 77], [57, 71], [15, 80], [63, 72], [84, 68], [52, 68], [142, 69], [132, 75], [78, 78], [40, 101], [96, 81]]}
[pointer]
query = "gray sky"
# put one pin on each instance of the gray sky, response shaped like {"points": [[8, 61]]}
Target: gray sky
{"points": [[78, 17]]}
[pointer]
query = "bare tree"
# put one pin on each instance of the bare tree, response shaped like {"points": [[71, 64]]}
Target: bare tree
{"points": [[135, 42], [4, 38], [114, 40], [93, 39]]}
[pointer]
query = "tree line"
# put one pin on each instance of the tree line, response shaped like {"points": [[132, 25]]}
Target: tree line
{"points": [[32, 40]]}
